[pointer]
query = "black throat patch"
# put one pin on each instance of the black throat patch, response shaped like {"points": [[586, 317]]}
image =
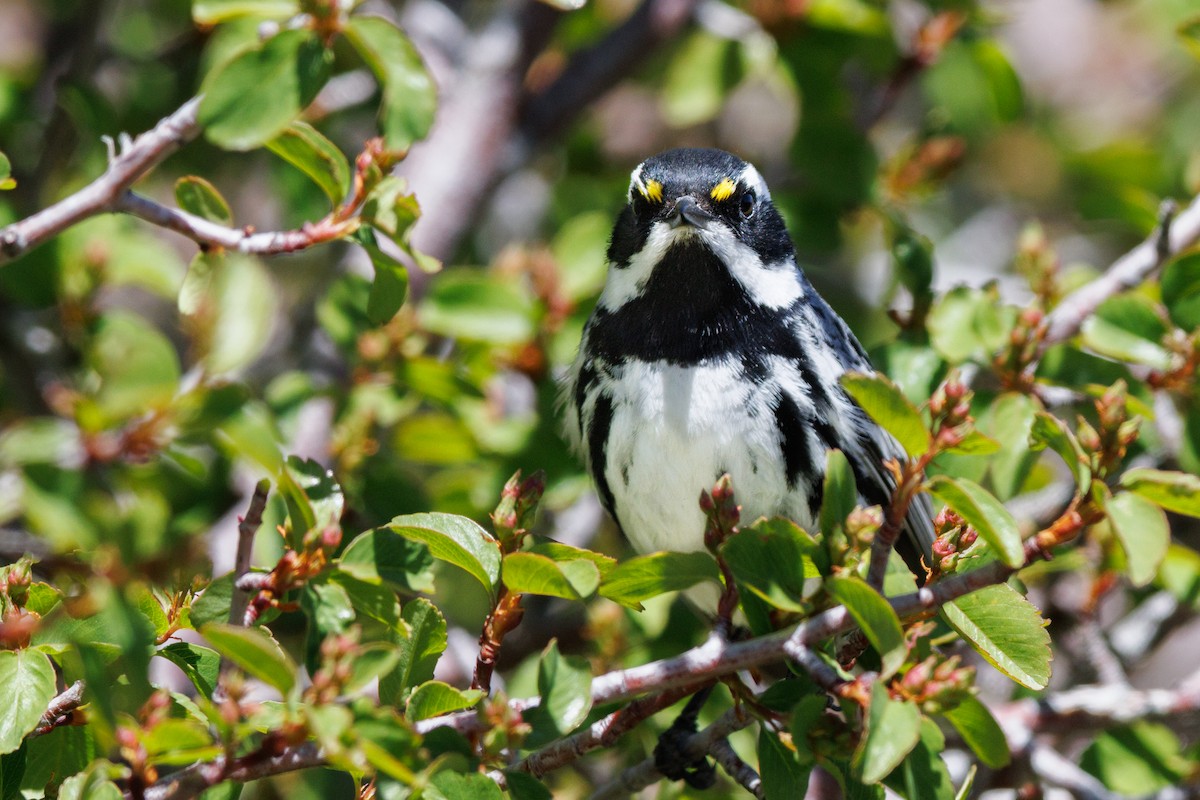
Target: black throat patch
{"points": [[691, 310]]}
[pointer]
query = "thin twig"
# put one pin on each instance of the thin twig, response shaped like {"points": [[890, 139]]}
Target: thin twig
{"points": [[602, 732], [195, 778], [136, 159], [723, 753], [60, 709], [243, 240], [247, 527]]}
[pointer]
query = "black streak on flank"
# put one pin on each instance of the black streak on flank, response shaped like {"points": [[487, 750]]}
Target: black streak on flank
{"points": [[793, 440], [602, 413]]}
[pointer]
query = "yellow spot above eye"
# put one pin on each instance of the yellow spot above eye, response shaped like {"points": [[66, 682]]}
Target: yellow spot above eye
{"points": [[723, 190], [652, 191]]}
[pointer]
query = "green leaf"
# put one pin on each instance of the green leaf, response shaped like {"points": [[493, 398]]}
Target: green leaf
{"points": [[196, 195], [375, 601], [565, 688], [1189, 34], [875, 616], [255, 652], [1137, 760], [212, 12], [975, 444], [456, 540], [1049, 431], [969, 324], [557, 551], [888, 406], [380, 555], [1127, 327], [1174, 491], [307, 149], [1007, 630], [136, 365], [923, 773], [702, 70], [912, 254], [65, 750], [390, 287], [421, 642], [370, 662], [1181, 285], [773, 558], [841, 492], [979, 729], [466, 786], [964, 791], [231, 306], [200, 664], [213, 604], [434, 698], [893, 728], [179, 741], [1142, 529], [783, 776], [465, 304], [985, 514], [650, 575], [29, 684], [257, 94], [314, 499], [409, 95], [91, 784], [12, 772], [6, 179], [523, 786], [529, 573], [1009, 419]]}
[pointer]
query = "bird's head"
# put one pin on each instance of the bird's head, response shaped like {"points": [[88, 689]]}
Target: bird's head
{"points": [[694, 206]]}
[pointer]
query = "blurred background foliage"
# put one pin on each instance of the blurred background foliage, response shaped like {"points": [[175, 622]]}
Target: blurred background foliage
{"points": [[912, 146]]}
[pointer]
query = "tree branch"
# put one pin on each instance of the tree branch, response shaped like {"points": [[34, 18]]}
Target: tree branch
{"points": [[194, 779], [243, 240], [247, 527], [135, 159], [1175, 234], [60, 709]]}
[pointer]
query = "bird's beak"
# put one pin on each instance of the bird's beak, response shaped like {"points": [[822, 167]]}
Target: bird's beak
{"points": [[688, 212]]}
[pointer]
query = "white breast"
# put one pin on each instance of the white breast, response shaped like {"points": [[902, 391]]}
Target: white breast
{"points": [[675, 430]]}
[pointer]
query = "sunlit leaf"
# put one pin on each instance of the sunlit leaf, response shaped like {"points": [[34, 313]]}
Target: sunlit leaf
{"points": [[648, 576], [1007, 630], [1142, 529], [255, 652], [888, 406], [307, 149], [456, 540], [409, 95], [30, 685], [1174, 491], [875, 616], [256, 95], [434, 698], [893, 728]]}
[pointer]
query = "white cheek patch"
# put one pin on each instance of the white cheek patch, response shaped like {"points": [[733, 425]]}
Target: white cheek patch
{"points": [[626, 283], [773, 286], [635, 182]]}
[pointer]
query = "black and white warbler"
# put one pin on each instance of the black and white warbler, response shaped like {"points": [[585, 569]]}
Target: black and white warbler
{"points": [[710, 352]]}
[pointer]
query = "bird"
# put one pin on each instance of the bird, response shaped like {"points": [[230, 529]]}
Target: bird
{"points": [[709, 352]]}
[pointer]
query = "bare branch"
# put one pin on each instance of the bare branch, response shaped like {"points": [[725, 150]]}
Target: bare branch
{"points": [[136, 159], [602, 732], [194, 779], [243, 240], [247, 527], [734, 767], [1175, 234]]}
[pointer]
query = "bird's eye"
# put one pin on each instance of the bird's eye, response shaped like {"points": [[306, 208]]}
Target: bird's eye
{"points": [[747, 204]]}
